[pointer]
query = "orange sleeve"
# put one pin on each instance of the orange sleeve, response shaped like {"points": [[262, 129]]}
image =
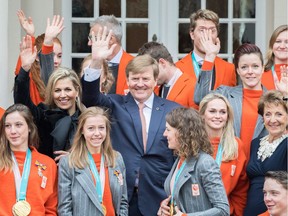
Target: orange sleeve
{"points": [[207, 65], [47, 49]]}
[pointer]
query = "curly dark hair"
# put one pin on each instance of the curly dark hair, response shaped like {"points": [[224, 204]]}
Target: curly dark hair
{"points": [[191, 132]]}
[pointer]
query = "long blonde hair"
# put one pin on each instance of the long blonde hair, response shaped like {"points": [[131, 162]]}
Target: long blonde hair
{"points": [[78, 157], [228, 140], [6, 162]]}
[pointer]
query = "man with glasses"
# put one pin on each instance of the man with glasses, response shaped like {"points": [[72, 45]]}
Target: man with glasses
{"points": [[118, 60]]}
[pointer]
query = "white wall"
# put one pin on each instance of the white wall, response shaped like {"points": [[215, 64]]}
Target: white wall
{"points": [[10, 37], [280, 11]]}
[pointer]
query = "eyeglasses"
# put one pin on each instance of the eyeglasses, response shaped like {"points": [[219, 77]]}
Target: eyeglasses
{"points": [[90, 37]]}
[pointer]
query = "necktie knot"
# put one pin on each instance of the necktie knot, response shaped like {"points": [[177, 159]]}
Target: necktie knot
{"points": [[141, 106]]}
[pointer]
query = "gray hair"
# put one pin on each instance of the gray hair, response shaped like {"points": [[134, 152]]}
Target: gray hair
{"points": [[111, 23]]}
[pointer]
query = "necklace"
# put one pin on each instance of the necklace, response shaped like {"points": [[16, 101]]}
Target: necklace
{"points": [[266, 149]]}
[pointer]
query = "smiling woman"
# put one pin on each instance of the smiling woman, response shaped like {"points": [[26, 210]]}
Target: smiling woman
{"points": [[57, 118], [30, 178], [244, 98], [92, 153], [229, 154], [270, 152]]}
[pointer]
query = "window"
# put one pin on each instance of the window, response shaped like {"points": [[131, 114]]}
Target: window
{"points": [[163, 21]]}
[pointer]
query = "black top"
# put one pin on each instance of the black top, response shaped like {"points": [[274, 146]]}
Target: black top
{"points": [[55, 127], [256, 170]]}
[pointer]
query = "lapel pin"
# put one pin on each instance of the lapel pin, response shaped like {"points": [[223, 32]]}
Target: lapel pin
{"points": [[40, 167], [119, 176]]}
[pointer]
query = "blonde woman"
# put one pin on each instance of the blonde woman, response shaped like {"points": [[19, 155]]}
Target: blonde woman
{"points": [[229, 154], [92, 179], [57, 118], [277, 58]]}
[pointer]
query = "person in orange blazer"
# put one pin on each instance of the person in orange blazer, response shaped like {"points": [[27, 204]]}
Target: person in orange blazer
{"points": [[204, 30], [119, 59], [180, 86], [277, 57]]}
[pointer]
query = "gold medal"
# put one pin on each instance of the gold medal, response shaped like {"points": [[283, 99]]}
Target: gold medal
{"points": [[171, 209], [21, 208], [104, 209]]}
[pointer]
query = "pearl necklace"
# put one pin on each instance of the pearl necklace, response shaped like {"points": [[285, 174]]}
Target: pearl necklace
{"points": [[266, 149]]}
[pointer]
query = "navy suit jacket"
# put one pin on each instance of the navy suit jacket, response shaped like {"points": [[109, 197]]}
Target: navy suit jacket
{"points": [[152, 166]]}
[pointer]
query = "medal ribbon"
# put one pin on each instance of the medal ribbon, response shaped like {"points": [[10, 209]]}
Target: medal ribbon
{"points": [[196, 66], [100, 179], [176, 179], [273, 73], [21, 182], [219, 154]]}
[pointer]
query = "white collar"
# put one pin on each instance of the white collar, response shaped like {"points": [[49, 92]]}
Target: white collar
{"points": [[149, 102], [117, 57], [198, 58]]}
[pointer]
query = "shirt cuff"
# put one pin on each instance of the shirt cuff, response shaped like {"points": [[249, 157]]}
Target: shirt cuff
{"points": [[91, 74]]}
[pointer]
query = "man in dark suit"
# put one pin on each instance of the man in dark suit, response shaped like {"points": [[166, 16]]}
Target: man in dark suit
{"points": [[148, 161]]}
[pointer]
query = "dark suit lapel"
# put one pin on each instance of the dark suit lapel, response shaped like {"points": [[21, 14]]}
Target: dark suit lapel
{"points": [[84, 178], [133, 110], [157, 116]]}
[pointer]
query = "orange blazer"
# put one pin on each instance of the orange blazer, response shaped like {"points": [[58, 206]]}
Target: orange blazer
{"points": [[182, 91], [225, 71], [1, 112], [121, 86]]}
